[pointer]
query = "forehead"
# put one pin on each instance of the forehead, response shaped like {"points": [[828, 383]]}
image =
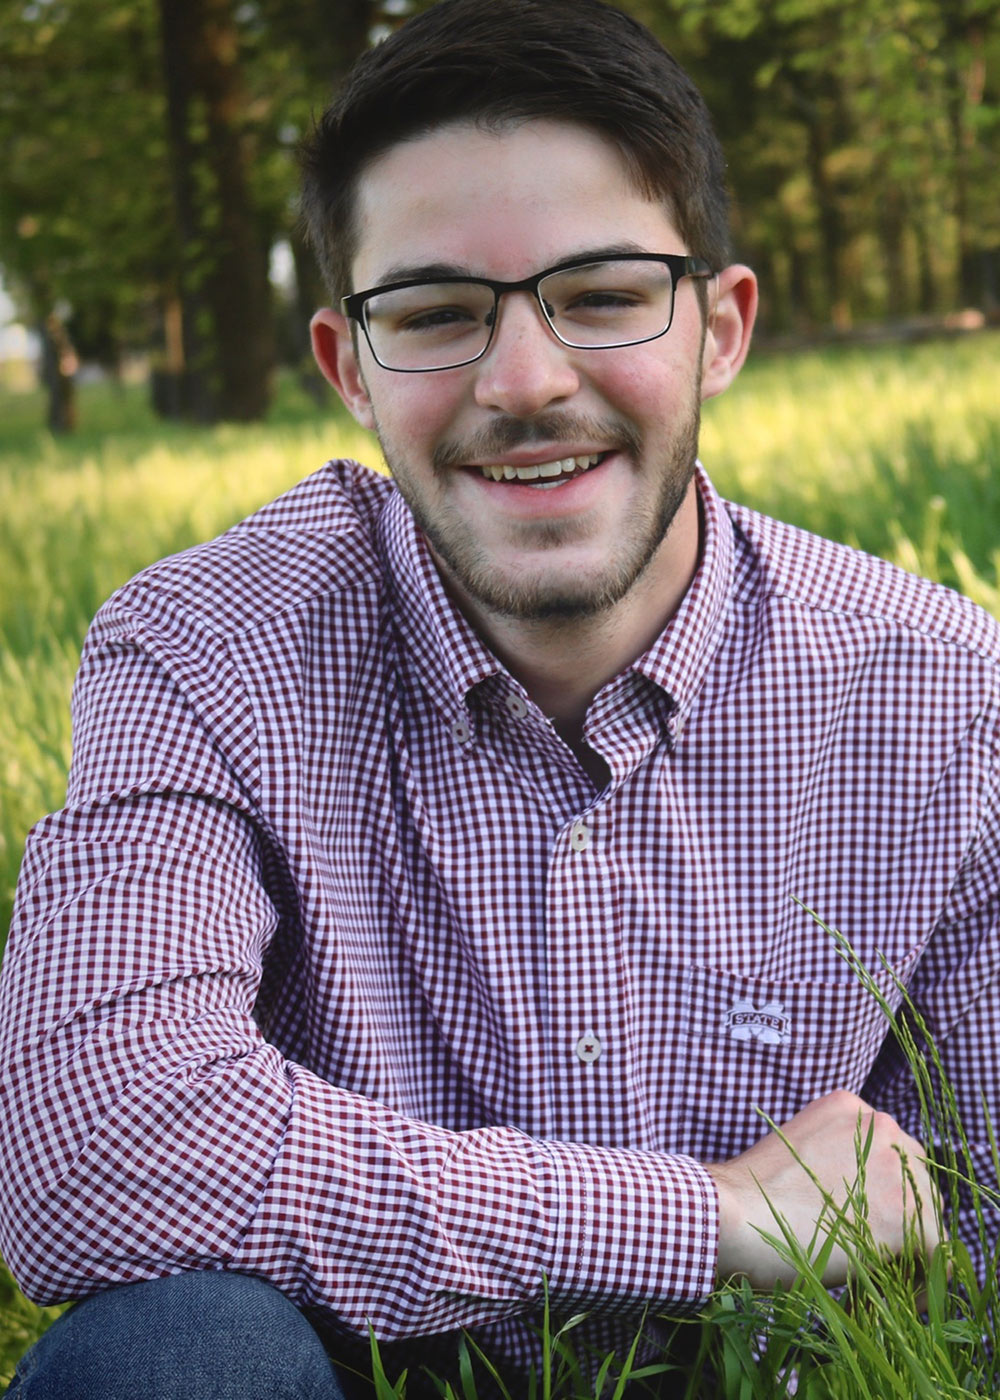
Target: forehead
{"points": [[500, 202]]}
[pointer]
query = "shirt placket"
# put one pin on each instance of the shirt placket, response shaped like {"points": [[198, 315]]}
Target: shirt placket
{"points": [[586, 1047]]}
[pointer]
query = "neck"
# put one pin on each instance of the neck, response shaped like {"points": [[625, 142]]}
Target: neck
{"points": [[563, 662]]}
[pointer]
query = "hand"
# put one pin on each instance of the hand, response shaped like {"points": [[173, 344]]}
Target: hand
{"points": [[774, 1178]]}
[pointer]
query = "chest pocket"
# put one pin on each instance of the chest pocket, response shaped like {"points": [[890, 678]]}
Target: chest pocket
{"points": [[756, 1046]]}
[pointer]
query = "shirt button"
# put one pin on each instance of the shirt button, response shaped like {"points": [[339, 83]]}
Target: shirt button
{"points": [[679, 727], [579, 836], [516, 706], [588, 1048], [461, 732]]}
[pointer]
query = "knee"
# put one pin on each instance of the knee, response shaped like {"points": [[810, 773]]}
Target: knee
{"points": [[202, 1333]]}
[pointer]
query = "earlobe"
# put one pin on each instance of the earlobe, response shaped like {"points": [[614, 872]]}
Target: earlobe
{"points": [[732, 309], [334, 352]]}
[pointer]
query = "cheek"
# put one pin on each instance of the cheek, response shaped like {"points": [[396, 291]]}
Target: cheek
{"points": [[658, 371], [416, 413], [648, 389]]}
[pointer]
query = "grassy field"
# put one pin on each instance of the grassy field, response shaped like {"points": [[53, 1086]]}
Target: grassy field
{"points": [[894, 449]]}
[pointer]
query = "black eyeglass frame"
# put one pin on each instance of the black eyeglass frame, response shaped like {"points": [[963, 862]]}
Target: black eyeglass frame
{"points": [[679, 265]]}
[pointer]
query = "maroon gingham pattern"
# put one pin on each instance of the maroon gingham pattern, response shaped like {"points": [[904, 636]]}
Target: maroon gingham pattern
{"points": [[336, 970]]}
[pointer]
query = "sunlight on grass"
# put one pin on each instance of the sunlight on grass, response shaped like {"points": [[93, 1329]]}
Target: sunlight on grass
{"points": [[895, 450]]}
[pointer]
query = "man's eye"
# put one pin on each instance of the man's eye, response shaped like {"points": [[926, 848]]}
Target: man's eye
{"points": [[612, 298], [436, 318], [599, 304]]}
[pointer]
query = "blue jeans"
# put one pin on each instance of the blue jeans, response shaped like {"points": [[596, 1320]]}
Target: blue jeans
{"points": [[192, 1336]]}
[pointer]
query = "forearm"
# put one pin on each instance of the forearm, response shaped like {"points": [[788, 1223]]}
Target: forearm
{"points": [[204, 1149], [150, 1127]]}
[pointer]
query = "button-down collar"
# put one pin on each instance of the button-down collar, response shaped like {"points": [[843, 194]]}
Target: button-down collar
{"points": [[449, 656]]}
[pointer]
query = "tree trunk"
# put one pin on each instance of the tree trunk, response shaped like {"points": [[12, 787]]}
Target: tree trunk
{"points": [[227, 329], [891, 232], [820, 141], [831, 229], [927, 300], [966, 45], [58, 368]]}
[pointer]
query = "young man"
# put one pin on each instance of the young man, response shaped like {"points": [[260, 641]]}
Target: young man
{"points": [[422, 929]]}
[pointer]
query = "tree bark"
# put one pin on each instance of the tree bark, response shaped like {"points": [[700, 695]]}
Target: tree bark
{"points": [[891, 231], [966, 45], [58, 368], [227, 328], [831, 228]]}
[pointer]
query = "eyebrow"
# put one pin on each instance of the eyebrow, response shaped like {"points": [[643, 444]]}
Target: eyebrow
{"points": [[431, 272]]}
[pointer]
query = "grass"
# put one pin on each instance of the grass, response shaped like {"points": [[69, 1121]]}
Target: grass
{"points": [[894, 449]]}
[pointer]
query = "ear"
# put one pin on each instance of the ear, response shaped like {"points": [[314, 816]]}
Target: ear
{"points": [[333, 348], [732, 309]]}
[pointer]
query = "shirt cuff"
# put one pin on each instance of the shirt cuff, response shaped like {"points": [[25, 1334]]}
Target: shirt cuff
{"points": [[633, 1228]]}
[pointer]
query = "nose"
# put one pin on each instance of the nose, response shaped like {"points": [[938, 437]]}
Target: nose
{"points": [[526, 368]]}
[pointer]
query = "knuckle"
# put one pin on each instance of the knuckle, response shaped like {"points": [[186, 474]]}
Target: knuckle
{"points": [[845, 1101]]}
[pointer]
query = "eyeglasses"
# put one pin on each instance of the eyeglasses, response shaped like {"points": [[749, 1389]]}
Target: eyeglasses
{"points": [[622, 299]]}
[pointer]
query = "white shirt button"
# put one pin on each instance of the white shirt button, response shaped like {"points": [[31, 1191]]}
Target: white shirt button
{"points": [[588, 1048], [461, 732], [516, 706], [579, 836]]}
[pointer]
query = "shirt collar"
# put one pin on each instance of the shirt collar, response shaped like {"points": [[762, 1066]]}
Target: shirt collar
{"points": [[452, 659], [679, 659], [450, 656]]}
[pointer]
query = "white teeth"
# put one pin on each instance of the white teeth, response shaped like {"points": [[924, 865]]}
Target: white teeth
{"points": [[503, 471]]}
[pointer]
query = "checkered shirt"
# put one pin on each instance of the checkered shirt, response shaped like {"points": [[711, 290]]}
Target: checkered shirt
{"points": [[336, 969]]}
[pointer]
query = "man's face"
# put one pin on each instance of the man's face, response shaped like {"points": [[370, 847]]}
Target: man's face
{"points": [[505, 205]]}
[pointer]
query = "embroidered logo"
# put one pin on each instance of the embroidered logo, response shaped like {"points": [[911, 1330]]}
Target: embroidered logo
{"points": [[767, 1023]]}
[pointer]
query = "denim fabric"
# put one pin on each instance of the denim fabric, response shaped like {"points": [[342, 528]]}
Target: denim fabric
{"points": [[193, 1336]]}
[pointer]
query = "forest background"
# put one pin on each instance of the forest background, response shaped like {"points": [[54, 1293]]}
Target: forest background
{"points": [[148, 173]]}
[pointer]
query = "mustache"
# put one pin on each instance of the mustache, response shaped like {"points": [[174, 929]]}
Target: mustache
{"points": [[503, 434]]}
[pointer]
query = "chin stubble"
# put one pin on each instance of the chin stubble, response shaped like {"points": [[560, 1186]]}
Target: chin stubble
{"points": [[541, 599]]}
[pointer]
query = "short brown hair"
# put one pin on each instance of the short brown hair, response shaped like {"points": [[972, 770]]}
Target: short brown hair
{"points": [[496, 62]]}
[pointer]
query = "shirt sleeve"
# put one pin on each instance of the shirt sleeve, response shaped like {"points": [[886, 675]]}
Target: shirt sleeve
{"points": [[147, 1125], [955, 992]]}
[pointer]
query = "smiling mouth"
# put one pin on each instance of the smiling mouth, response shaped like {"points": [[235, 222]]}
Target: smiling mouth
{"points": [[543, 474]]}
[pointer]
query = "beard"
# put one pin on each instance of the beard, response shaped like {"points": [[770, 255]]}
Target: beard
{"points": [[551, 595]]}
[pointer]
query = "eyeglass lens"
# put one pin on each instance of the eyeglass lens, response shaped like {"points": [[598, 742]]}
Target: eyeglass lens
{"points": [[441, 324]]}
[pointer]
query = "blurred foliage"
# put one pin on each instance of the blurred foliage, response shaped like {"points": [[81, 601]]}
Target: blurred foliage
{"points": [[862, 139]]}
